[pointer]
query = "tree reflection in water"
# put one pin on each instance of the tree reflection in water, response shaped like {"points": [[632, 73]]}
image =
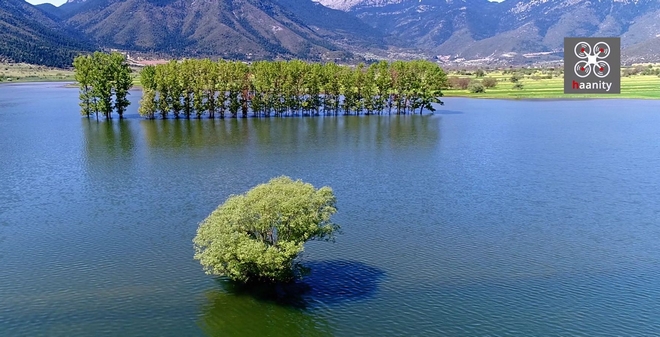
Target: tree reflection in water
{"points": [[288, 309]]}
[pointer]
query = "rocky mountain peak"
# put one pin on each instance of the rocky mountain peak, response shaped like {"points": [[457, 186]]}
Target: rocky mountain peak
{"points": [[347, 5]]}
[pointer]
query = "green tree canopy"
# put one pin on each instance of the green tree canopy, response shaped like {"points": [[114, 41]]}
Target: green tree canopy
{"points": [[104, 81], [258, 235], [289, 88], [476, 87]]}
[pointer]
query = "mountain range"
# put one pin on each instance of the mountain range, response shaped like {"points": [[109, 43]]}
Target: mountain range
{"points": [[227, 28], [512, 31]]}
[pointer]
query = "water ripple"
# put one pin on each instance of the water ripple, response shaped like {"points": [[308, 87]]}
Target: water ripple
{"points": [[506, 219]]}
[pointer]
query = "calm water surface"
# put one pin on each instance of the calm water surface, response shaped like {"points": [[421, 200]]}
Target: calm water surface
{"points": [[489, 218]]}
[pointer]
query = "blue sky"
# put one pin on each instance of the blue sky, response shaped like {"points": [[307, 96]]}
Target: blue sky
{"points": [[54, 2]]}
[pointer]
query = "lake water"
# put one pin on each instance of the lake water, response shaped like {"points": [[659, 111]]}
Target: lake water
{"points": [[499, 218]]}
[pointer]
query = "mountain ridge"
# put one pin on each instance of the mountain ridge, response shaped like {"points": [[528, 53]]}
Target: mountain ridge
{"points": [[230, 28], [481, 29], [512, 31]]}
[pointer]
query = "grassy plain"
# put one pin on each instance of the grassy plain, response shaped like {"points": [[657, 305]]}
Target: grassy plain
{"points": [[21, 72], [634, 86]]}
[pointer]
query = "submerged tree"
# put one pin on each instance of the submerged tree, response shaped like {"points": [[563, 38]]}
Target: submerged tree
{"points": [[148, 104], [292, 88], [258, 235], [104, 81], [121, 81], [83, 75]]}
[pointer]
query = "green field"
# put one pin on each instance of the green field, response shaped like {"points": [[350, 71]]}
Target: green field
{"points": [[635, 86], [21, 72]]}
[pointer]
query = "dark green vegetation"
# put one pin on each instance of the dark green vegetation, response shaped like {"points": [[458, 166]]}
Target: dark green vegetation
{"points": [[104, 81], [30, 35], [202, 87], [257, 236]]}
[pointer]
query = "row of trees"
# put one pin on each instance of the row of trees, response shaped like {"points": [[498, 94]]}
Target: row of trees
{"points": [[194, 88], [463, 83], [104, 81], [640, 70]]}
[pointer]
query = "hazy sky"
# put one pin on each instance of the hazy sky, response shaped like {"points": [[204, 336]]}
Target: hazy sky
{"points": [[54, 2]]}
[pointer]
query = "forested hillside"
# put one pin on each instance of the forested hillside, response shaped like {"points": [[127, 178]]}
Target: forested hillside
{"points": [[29, 35]]}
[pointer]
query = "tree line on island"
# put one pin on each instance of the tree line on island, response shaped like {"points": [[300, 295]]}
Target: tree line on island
{"points": [[197, 88]]}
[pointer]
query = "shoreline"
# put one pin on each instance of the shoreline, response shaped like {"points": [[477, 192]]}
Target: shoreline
{"points": [[44, 81], [446, 94]]}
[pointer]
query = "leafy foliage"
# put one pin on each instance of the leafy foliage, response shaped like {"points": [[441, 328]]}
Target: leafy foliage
{"points": [[289, 88], [476, 87], [459, 83], [515, 78], [640, 70], [104, 81], [258, 235], [489, 82]]}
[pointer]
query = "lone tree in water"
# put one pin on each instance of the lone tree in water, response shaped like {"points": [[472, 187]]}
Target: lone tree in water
{"points": [[256, 237], [104, 81]]}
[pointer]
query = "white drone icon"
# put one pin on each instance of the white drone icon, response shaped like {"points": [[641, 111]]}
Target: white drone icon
{"points": [[591, 60]]}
